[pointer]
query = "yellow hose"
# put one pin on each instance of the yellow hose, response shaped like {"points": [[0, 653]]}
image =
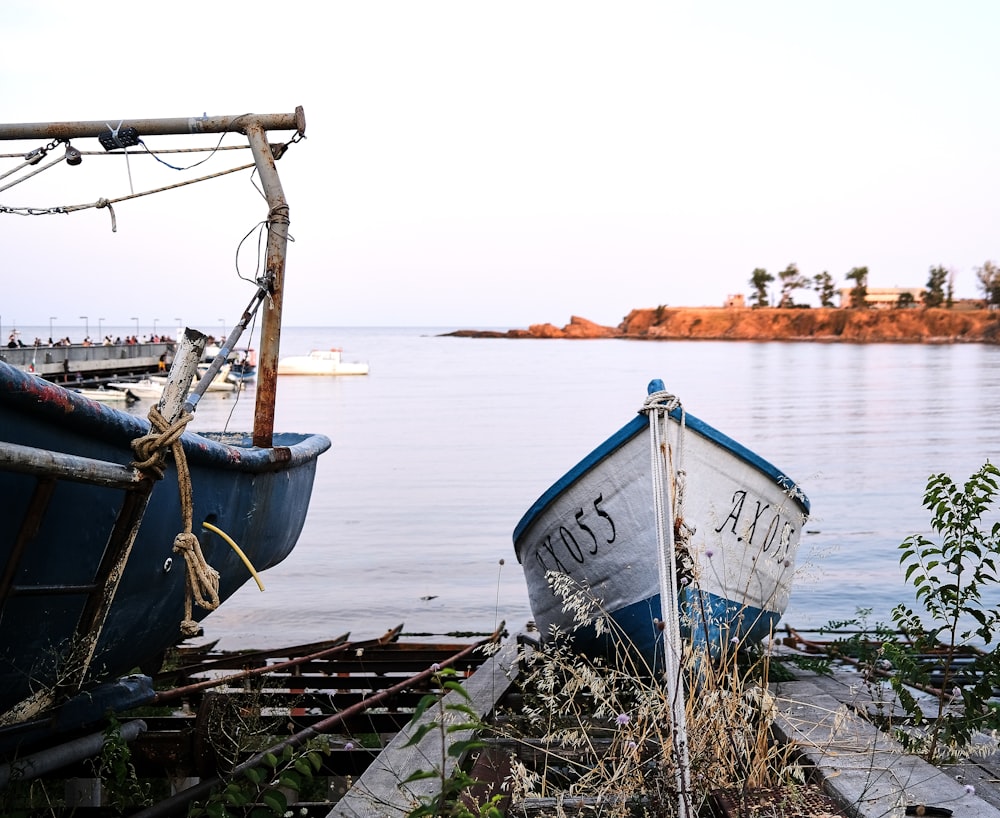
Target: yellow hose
{"points": [[238, 551]]}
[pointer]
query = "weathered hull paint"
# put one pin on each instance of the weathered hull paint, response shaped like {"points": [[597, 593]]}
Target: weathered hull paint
{"points": [[597, 525], [259, 497]]}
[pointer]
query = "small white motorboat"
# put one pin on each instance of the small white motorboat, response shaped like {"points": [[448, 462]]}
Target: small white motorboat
{"points": [[320, 362], [116, 396], [144, 389], [151, 388]]}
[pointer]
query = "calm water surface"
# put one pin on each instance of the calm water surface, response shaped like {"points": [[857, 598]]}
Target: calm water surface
{"points": [[438, 452]]}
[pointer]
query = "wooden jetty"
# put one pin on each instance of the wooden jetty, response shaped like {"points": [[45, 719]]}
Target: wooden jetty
{"points": [[860, 766]]}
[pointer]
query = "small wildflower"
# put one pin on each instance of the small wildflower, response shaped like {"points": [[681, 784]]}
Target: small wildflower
{"points": [[435, 667], [788, 563], [501, 561], [709, 553], [632, 745], [970, 790], [735, 640], [622, 719], [349, 745]]}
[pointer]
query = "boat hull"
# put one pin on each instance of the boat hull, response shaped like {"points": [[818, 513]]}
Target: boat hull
{"points": [[320, 362], [597, 525], [258, 497]]}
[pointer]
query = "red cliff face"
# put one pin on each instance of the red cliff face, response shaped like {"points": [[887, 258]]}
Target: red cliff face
{"points": [[766, 324], [902, 325]]}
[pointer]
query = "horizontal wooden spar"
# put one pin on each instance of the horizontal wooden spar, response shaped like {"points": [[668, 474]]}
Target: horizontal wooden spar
{"points": [[237, 123], [45, 463]]}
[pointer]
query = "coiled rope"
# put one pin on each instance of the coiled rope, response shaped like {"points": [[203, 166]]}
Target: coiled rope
{"points": [[667, 499], [202, 588]]}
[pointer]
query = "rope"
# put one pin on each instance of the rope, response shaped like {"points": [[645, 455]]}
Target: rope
{"points": [[35, 211], [202, 588], [35, 172], [665, 498]]}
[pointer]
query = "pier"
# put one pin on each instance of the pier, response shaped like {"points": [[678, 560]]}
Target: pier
{"points": [[76, 363]]}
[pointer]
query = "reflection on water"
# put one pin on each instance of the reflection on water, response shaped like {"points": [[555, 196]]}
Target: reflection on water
{"points": [[441, 448]]}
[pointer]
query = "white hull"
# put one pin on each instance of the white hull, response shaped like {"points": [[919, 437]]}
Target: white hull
{"points": [[114, 396], [598, 526], [320, 362], [151, 388], [146, 389]]}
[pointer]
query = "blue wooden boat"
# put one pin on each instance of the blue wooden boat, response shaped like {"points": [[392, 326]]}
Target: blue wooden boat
{"points": [[737, 530], [118, 533], [70, 501]]}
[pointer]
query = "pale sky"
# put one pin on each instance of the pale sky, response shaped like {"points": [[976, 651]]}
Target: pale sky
{"points": [[471, 164]]}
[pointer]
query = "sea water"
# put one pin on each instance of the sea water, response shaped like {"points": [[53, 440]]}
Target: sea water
{"points": [[442, 447]]}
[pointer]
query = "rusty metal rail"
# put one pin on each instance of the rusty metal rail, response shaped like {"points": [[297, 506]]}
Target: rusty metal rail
{"points": [[961, 659], [286, 698]]}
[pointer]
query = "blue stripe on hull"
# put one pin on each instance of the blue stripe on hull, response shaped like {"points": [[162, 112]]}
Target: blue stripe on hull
{"points": [[707, 621]]}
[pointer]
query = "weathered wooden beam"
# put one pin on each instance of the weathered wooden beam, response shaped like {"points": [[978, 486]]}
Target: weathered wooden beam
{"points": [[379, 792], [860, 766], [61, 466]]}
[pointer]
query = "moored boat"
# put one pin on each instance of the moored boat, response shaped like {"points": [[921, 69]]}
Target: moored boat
{"points": [[120, 534], [151, 388], [103, 395], [737, 521], [320, 362], [55, 548], [143, 388]]}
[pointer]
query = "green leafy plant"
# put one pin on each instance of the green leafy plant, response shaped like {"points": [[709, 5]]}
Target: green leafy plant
{"points": [[453, 716], [950, 574], [260, 791]]}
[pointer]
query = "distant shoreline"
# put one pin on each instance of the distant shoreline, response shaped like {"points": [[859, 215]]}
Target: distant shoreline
{"points": [[913, 325]]}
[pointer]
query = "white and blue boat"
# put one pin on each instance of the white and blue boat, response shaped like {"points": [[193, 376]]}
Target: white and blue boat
{"points": [[736, 520]]}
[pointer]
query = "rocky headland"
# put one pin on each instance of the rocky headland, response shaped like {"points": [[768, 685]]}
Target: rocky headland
{"points": [[917, 325]]}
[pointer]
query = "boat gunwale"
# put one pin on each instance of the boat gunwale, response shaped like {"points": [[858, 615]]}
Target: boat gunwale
{"points": [[626, 433], [35, 396]]}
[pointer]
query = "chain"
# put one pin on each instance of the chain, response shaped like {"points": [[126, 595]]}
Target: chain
{"points": [[32, 211], [36, 156]]}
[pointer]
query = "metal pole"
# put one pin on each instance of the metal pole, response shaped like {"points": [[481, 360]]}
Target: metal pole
{"points": [[156, 127], [47, 761]]}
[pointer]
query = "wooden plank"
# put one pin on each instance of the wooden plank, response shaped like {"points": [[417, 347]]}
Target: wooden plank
{"points": [[860, 766], [61, 466], [378, 793]]}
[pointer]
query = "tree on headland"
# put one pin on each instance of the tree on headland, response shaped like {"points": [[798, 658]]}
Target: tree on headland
{"points": [[934, 295], [988, 277], [823, 285], [859, 292], [791, 280], [759, 281]]}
